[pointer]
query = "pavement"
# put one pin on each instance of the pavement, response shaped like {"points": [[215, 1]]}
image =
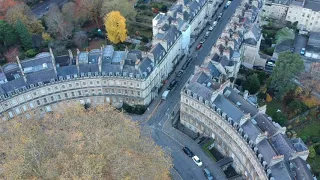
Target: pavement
{"points": [[40, 9], [157, 117]]}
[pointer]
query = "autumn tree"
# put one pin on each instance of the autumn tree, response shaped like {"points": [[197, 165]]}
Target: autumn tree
{"points": [[90, 9], [5, 5], [8, 35], [115, 25], [22, 12], [69, 13], [11, 54], [24, 35], [56, 24], [78, 143], [287, 66], [125, 7]]}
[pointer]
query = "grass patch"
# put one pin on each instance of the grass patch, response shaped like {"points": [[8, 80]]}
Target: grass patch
{"points": [[315, 163], [312, 129], [206, 150], [273, 106]]}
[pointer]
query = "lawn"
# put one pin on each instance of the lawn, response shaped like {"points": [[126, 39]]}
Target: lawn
{"points": [[315, 163], [206, 150], [273, 106], [312, 129]]}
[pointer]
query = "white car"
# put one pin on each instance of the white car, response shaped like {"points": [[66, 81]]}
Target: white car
{"points": [[210, 28], [214, 23], [197, 161], [207, 34]]}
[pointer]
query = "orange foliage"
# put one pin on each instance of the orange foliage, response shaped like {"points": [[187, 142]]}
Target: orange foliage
{"points": [[5, 5], [268, 98], [310, 101]]}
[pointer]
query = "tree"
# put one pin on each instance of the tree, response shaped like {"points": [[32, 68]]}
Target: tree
{"points": [[5, 5], [280, 118], [90, 9], [24, 35], [115, 25], [252, 84], [22, 12], [312, 152], [69, 13], [297, 106], [81, 39], [125, 7], [287, 66], [56, 24], [284, 34], [79, 143], [8, 35], [11, 54], [268, 98]]}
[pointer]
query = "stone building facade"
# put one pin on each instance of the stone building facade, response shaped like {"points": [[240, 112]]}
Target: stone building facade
{"points": [[104, 75]]}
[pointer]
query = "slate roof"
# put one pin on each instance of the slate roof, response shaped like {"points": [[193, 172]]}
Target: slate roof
{"points": [[281, 171], [314, 5], [299, 145], [282, 145], [284, 46], [265, 124], [300, 169], [67, 70], [213, 70], [14, 84], [158, 51], [284, 2], [314, 39], [41, 76], [63, 60], [227, 107], [266, 150], [251, 130]]}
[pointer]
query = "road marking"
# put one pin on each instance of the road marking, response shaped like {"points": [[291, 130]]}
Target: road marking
{"points": [[149, 117]]}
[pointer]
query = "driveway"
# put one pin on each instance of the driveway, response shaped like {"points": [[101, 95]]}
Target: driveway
{"points": [[300, 42]]}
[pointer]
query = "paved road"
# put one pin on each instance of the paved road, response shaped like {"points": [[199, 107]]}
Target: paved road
{"points": [[159, 111], [40, 9]]}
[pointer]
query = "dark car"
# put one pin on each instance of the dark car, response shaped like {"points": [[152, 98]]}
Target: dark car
{"points": [[179, 74], [184, 67], [208, 174], [261, 68], [188, 152], [173, 83]]}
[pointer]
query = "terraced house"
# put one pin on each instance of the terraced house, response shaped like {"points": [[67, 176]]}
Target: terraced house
{"points": [[241, 130], [104, 75]]}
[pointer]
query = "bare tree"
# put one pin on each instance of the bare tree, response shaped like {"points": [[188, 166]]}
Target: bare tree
{"points": [[56, 23], [80, 39], [75, 143]]}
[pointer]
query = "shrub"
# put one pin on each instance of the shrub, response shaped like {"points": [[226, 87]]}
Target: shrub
{"points": [[136, 109], [315, 139], [280, 118], [317, 149], [31, 53], [252, 84]]}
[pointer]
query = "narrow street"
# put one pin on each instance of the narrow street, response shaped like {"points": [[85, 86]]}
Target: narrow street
{"points": [[157, 117]]}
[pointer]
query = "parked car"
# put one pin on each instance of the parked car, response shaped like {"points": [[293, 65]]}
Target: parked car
{"points": [[227, 4], [210, 28], [208, 174], [184, 67], [188, 152], [303, 51], [214, 23], [261, 68], [207, 34], [197, 161], [270, 63], [199, 46], [179, 74], [202, 41], [172, 84]]}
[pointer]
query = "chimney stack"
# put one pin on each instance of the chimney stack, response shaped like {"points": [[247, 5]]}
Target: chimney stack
{"points": [[20, 67], [53, 60]]}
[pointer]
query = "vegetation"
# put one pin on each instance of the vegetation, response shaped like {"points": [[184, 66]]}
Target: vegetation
{"points": [[24, 35], [284, 34], [287, 66], [79, 143], [252, 84], [115, 25]]}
